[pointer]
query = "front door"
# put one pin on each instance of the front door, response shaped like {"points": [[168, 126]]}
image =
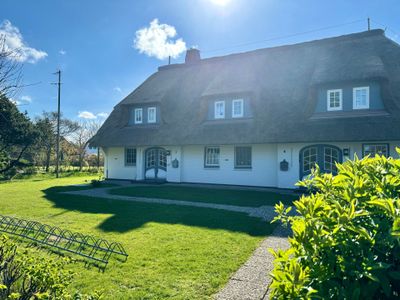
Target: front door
{"points": [[156, 163]]}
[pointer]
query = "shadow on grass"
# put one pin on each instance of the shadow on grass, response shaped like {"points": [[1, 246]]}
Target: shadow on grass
{"points": [[131, 215]]}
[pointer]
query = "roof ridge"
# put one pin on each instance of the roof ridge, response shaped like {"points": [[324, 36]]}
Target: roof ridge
{"points": [[351, 36]]}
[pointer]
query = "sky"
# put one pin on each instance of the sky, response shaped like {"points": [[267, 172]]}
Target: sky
{"points": [[106, 49]]}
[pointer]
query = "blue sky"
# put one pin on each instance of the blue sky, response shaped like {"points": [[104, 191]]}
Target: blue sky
{"points": [[93, 41]]}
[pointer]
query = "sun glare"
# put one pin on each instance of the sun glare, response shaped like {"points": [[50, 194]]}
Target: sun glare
{"points": [[220, 2]]}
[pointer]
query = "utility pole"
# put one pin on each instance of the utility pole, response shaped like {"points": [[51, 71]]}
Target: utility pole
{"points": [[58, 123], [369, 24]]}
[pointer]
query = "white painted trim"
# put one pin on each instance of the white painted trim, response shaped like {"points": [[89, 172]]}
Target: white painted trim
{"points": [[354, 97], [233, 108], [328, 100], [137, 110], [153, 108], [210, 165], [216, 103]]}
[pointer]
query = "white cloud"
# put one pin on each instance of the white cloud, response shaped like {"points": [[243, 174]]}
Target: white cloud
{"points": [[117, 89], [86, 115], [91, 116], [156, 40], [15, 42], [102, 115], [23, 100], [62, 52]]}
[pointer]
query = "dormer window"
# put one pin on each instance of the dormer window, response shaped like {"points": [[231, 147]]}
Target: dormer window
{"points": [[237, 108], [334, 100], [361, 97], [219, 110], [138, 115], [151, 115]]}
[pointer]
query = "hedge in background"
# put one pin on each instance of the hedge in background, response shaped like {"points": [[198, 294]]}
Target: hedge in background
{"points": [[345, 242]]}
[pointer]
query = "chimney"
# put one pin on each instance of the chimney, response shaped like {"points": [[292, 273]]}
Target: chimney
{"points": [[192, 56]]}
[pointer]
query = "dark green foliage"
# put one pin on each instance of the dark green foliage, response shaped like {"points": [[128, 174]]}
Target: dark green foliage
{"points": [[345, 242], [17, 133], [27, 276]]}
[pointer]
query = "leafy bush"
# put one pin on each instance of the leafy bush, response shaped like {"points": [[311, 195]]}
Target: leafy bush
{"points": [[345, 242], [26, 276]]}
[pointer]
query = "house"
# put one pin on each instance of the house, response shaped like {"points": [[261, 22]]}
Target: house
{"points": [[260, 118]]}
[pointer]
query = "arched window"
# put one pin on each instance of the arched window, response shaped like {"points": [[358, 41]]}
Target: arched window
{"points": [[325, 156]]}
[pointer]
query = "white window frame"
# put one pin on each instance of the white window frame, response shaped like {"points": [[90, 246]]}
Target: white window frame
{"points": [[241, 108], [354, 97], [328, 100], [215, 150], [375, 145], [242, 166], [134, 158], [138, 112], [149, 110], [216, 103]]}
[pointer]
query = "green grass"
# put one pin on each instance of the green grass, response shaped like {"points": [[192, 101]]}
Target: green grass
{"points": [[175, 252], [240, 197]]}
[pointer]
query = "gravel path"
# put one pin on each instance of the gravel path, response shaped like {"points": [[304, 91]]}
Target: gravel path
{"points": [[264, 212], [252, 280]]}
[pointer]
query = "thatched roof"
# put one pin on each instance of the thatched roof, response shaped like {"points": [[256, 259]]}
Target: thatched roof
{"points": [[282, 84]]}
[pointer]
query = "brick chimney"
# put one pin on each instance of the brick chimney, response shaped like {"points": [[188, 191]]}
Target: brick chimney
{"points": [[192, 56]]}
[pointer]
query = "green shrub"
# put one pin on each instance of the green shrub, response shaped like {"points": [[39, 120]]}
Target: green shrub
{"points": [[24, 275], [345, 242]]}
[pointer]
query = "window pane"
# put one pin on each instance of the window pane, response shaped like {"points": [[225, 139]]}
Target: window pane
{"points": [[211, 157], [309, 159], [237, 108], [243, 157], [138, 115], [219, 110], [361, 97], [130, 156], [151, 115], [331, 156], [335, 99], [373, 149]]}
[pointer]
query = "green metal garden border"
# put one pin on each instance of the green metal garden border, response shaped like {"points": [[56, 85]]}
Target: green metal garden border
{"points": [[90, 247]]}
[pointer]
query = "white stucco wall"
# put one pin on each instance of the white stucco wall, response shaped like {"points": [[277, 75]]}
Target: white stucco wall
{"points": [[265, 169], [114, 165], [262, 173], [290, 152]]}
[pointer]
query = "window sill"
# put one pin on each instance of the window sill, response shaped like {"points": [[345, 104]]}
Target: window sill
{"points": [[129, 166], [211, 168], [243, 168]]}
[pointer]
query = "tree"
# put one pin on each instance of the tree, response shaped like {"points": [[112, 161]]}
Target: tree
{"points": [[80, 138], [10, 69], [17, 133], [47, 124]]}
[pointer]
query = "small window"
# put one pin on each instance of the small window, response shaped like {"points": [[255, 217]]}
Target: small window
{"points": [[243, 157], [361, 98], [237, 108], [334, 99], [211, 157], [138, 115], [373, 149], [151, 115], [219, 110], [130, 156]]}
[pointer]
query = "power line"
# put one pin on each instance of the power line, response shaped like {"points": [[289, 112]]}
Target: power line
{"points": [[286, 36], [386, 27]]}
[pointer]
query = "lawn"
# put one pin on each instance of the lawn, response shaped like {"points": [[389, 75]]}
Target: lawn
{"points": [[240, 197], [174, 252]]}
